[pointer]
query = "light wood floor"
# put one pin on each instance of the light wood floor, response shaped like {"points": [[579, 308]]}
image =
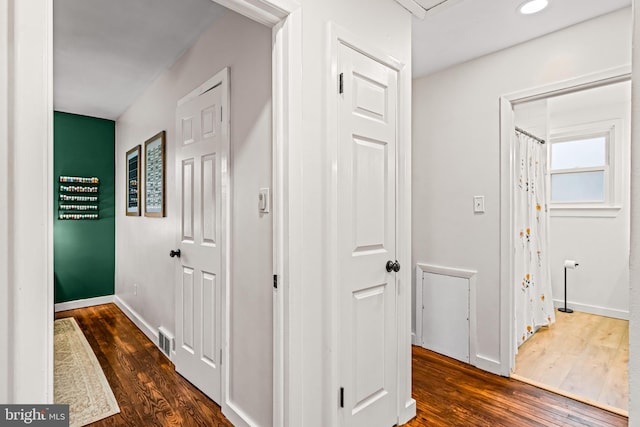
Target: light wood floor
{"points": [[582, 355]]}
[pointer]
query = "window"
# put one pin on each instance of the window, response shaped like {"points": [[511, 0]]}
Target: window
{"points": [[585, 170], [579, 170]]}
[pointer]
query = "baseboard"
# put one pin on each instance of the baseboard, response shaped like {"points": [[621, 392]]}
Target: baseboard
{"points": [[82, 303], [594, 309], [142, 324], [408, 413], [237, 416], [488, 364]]}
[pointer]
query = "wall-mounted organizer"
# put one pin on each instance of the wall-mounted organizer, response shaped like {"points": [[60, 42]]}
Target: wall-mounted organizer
{"points": [[77, 216], [73, 199]]}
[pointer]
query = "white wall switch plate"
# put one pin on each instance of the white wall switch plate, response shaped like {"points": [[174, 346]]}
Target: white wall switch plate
{"points": [[264, 200], [478, 204]]}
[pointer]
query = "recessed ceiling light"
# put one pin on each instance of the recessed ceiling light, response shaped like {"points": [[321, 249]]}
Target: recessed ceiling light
{"points": [[533, 6]]}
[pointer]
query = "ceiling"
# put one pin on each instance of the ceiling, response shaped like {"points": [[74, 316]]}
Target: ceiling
{"points": [[457, 31], [107, 52]]}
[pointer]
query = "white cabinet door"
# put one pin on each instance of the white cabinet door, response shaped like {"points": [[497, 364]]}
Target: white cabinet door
{"points": [[445, 315]]}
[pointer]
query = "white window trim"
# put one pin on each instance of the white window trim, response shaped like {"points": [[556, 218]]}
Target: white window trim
{"points": [[612, 203]]}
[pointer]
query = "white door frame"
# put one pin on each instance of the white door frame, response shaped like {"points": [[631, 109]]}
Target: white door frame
{"points": [[284, 17], [507, 152], [406, 405], [26, 201], [5, 384]]}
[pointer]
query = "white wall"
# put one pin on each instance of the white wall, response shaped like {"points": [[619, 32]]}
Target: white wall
{"points": [[600, 243], [456, 150], [533, 117], [143, 244], [600, 285]]}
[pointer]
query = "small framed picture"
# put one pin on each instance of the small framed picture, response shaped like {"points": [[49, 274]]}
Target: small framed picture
{"points": [[133, 181], [154, 171]]}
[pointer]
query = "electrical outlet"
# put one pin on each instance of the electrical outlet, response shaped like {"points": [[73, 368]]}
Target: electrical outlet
{"points": [[135, 289]]}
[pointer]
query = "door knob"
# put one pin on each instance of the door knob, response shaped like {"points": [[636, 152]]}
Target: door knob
{"points": [[393, 266], [174, 253]]}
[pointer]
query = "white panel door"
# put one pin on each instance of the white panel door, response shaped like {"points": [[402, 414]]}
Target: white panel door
{"points": [[198, 294], [367, 240]]}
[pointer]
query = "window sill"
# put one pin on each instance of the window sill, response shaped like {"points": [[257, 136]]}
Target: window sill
{"points": [[584, 211]]}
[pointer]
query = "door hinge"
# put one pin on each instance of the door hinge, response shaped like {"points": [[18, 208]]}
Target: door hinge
{"points": [[275, 281], [341, 83], [342, 397], [220, 114], [221, 356]]}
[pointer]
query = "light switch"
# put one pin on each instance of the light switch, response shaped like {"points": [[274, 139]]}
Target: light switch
{"points": [[478, 204], [264, 200]]}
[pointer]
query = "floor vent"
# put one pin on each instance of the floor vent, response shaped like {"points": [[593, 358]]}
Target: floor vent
{"points": [[165, 342]]}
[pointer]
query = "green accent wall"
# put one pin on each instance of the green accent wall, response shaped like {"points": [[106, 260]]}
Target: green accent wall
{"points": [[84, 250]]}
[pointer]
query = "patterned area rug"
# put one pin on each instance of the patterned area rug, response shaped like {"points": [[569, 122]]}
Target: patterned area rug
{"points": [[78, 378]]}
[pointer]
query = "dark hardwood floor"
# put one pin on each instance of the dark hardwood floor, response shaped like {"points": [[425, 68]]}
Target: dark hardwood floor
{"points": [[449, 393], [148, 390]]}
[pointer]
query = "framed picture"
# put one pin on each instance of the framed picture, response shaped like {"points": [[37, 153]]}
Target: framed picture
{"points": [[133, 181], [154, 175]]}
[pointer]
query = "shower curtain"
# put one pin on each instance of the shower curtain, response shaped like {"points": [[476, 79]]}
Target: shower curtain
{"points": [[533, 300]]}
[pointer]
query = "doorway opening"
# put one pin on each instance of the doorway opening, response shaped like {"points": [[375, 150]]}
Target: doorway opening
{"points": [[583, 139], [263, 122]]}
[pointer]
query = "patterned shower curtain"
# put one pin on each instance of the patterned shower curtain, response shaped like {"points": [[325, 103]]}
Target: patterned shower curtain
{"points": [[533, 300]]}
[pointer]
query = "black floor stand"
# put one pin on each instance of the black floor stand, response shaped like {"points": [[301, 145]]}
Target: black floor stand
{"points": [[565, 309]]}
